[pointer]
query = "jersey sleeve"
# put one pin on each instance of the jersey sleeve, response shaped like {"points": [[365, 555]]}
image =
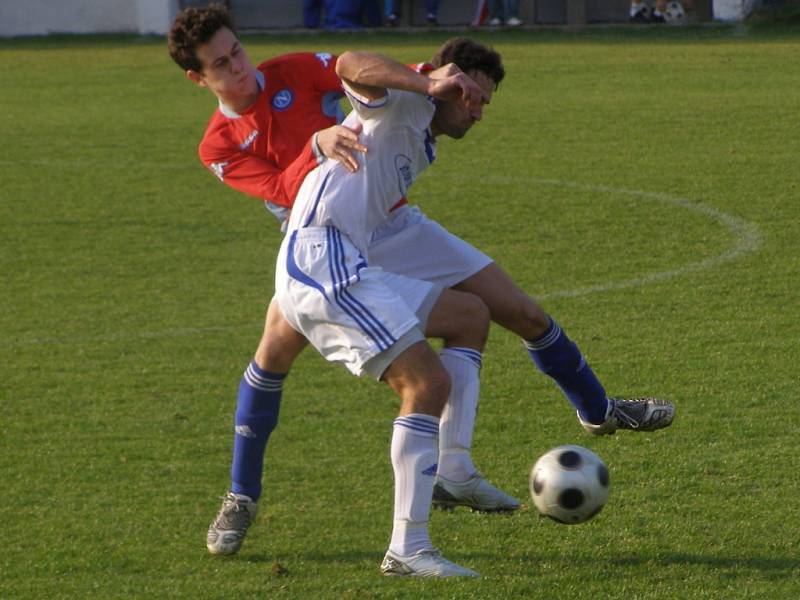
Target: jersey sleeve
{"points": [[397, 106], [259, 177], [322, 67], [328, 84], [367, 108]]}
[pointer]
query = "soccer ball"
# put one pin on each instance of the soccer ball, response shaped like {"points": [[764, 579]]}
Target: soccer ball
{"points": [[674, 14], [569, 484]]}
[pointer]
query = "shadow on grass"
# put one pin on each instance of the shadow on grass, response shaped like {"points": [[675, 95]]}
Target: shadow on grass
{"points": [[353, 556], [771, 566], [758, 563]]}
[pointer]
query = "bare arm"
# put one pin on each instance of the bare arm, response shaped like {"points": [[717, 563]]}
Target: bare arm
{"points": [[370, 74]]}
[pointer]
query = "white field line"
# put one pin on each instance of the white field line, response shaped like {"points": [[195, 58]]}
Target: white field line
{"points": [[747, 238]]}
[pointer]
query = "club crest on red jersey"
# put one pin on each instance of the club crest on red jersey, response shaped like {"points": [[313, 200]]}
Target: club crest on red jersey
{"points": [[282, 99]]}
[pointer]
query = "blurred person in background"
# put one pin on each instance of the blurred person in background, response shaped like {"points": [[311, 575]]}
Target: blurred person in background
{"points": [[504, 12], [393, 11], [341, 14]]}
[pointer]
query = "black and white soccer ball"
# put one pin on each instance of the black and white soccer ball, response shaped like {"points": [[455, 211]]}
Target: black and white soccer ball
{"points": [[674, 13], [569, 484]]}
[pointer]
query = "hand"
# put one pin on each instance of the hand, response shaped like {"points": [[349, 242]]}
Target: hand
{"points": [[444, 72], [341, 143], [456, 86]]}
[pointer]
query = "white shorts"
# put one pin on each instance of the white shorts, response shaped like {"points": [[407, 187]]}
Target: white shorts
{"points": [[413, 245], [352, 313]]}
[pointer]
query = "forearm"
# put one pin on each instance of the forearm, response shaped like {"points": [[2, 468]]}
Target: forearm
{"points": [[370, 74], [258, 177]]}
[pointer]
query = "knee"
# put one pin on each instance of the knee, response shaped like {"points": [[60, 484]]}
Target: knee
{"points": [[478, 312]]}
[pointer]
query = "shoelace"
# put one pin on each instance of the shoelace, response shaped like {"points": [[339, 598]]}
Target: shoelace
{"points": [[621, 415], [232, 505], [233, 501]]}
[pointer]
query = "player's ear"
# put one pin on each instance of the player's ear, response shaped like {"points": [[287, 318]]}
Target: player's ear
{"points": [[196, 78]]}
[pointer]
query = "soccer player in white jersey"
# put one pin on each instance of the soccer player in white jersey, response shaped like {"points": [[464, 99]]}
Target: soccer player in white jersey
{"points": [[409, 244], [263, 139], [362, 316]]}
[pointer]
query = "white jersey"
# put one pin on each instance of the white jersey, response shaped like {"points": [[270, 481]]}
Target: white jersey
{"points": [[400, 146]]}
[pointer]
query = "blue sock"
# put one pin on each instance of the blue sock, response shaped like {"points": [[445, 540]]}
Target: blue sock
{"points": [[257, 409], [559, 357]]}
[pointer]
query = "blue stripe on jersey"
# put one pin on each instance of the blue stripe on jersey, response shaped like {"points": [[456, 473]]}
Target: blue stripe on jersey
{"points": [[313, 212], [430, 147], [377, 104], [380, 328], [295, 272], [338, 289]]}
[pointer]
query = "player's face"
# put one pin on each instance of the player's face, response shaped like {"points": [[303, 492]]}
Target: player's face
{"points": [[454, 119], [227, 71]]}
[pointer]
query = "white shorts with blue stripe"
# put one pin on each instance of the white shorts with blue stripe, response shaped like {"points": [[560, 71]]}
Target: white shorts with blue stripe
{"points": [[411, 244], [351, 312]]}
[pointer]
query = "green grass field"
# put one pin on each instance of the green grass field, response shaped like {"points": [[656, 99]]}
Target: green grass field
{"points": [[642, 184]]}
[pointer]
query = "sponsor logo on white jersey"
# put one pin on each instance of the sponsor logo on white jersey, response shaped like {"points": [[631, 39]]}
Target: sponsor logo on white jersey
{"points": [[324, 58], [405, 172], [248, 140], [219, 169]]}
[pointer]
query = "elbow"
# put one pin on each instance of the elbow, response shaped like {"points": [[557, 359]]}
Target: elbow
{"points": [[344, 65], [350, 66]]}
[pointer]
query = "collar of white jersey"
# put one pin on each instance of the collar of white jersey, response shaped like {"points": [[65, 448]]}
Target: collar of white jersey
{"points": [[229, 112]]}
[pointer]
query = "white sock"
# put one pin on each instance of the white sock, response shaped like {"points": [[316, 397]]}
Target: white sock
{"points": [[636, 7], [458, 417], [414, 454]]}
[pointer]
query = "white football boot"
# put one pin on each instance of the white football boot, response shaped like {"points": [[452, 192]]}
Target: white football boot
{"points": [[427, 563], [226, 533], [475, 493], [636, 414]]}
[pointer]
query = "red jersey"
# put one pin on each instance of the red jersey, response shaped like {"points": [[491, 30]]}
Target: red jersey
{"points": [[267, 151]]}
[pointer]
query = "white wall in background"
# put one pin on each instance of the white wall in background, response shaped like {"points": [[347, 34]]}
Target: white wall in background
{"points": [[40, 17]]}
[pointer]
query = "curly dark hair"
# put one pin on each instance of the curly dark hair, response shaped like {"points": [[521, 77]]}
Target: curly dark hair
{"points": [[194, 27], [468, 55]]}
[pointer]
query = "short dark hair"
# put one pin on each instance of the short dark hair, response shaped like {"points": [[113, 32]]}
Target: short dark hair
{"points": [[468, 55], [194, 27]]}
